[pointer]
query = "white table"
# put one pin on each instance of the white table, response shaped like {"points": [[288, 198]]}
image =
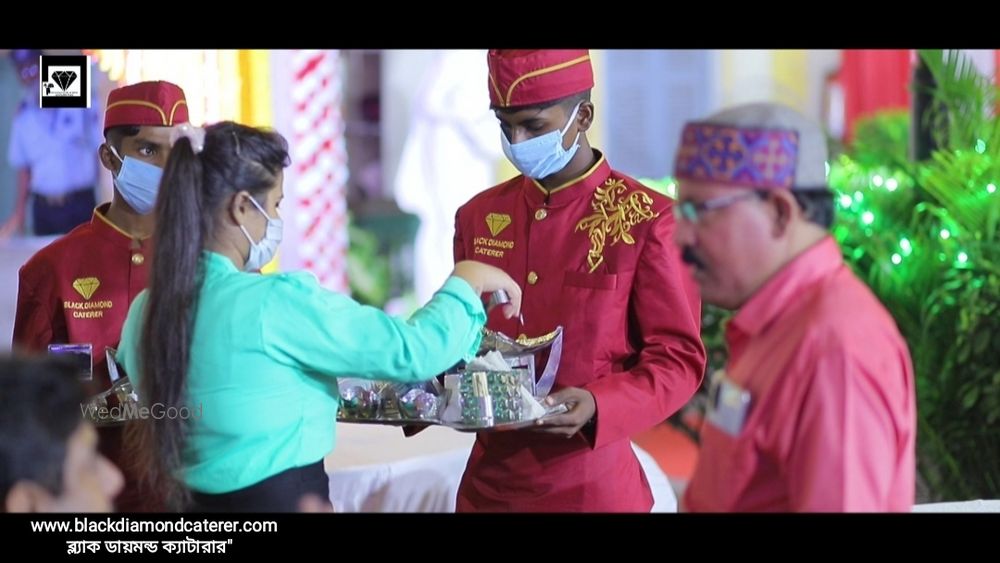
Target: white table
{"points": [[963, 506], [377, 469]]}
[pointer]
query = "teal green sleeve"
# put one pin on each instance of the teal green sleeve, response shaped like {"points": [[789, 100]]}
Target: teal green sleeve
{"points": [[128, 347], [329, 333]]}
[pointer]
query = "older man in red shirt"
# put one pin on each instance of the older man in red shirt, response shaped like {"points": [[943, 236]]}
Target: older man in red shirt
{"points": [[815, 410]]}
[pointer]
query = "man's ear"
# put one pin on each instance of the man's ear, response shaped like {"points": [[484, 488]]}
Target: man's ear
{"points": [[27, 496], [785, 207], [108, 159], [585, 116]]}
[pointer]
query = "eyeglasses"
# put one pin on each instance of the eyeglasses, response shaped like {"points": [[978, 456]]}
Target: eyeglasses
{"points": [[692, 212]]}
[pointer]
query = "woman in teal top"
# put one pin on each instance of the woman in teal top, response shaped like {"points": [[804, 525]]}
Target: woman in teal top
{"points": [[239, 369]]}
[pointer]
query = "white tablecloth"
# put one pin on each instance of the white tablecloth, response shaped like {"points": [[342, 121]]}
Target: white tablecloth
{"points": [[377, 469], [963, 506]]}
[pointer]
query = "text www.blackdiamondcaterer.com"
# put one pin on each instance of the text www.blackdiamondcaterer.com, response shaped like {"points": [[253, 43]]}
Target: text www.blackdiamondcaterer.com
{"points": [[125, 524]]}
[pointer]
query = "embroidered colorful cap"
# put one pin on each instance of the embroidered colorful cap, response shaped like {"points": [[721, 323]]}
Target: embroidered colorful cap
{"points": [[760, 145]]}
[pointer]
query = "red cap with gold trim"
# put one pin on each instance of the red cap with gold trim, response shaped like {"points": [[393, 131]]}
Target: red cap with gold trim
{"points": [[156, 103], [521, 77]]}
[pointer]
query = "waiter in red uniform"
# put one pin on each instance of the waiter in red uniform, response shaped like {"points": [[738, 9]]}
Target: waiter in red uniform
{"points": [[78, 289], [593, 250]]}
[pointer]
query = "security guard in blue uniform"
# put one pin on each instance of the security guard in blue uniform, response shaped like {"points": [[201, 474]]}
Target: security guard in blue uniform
{"points": [[53, 150]]}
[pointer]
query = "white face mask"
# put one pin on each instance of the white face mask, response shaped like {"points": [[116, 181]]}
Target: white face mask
{"points": [[542, 156], [138, 183], [263, 252]]}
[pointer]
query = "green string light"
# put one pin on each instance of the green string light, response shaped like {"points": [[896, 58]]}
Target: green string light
{"points": [[945, 234], [896, 258], [904, 244], [867, 217]]}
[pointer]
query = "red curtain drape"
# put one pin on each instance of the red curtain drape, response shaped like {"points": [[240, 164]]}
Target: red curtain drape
{"points": [[874, 80]]}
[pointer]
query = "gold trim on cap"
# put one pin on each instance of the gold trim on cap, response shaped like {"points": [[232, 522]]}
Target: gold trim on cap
{"points": [[541, 71], [143, 103], [173, 110], [493, 83]]}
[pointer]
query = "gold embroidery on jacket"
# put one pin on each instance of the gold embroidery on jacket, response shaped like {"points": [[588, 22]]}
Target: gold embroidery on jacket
{"points": [[86, 286], [615, 213], [497, 222]]}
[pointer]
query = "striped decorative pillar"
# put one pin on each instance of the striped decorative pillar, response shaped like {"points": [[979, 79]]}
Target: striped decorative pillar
{"points": [[318, 195]]}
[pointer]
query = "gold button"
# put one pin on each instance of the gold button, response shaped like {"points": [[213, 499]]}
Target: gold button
{"points": [[532, 278], [541, 214], [138, 259]]}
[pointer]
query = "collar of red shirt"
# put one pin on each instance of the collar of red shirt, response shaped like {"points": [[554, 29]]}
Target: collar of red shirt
{"points": [[565, 193], [816, 263], [109, 231]]}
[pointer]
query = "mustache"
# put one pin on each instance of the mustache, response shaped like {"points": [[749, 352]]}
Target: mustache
{"points": [[689, 257]]}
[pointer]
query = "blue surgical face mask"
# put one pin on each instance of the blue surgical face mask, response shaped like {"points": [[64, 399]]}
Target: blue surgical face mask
{"points": [[263, 252], [543, 155], [138, 183]]}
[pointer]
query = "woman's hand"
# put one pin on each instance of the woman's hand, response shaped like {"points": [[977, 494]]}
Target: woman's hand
{"points": [[486, 279]]}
